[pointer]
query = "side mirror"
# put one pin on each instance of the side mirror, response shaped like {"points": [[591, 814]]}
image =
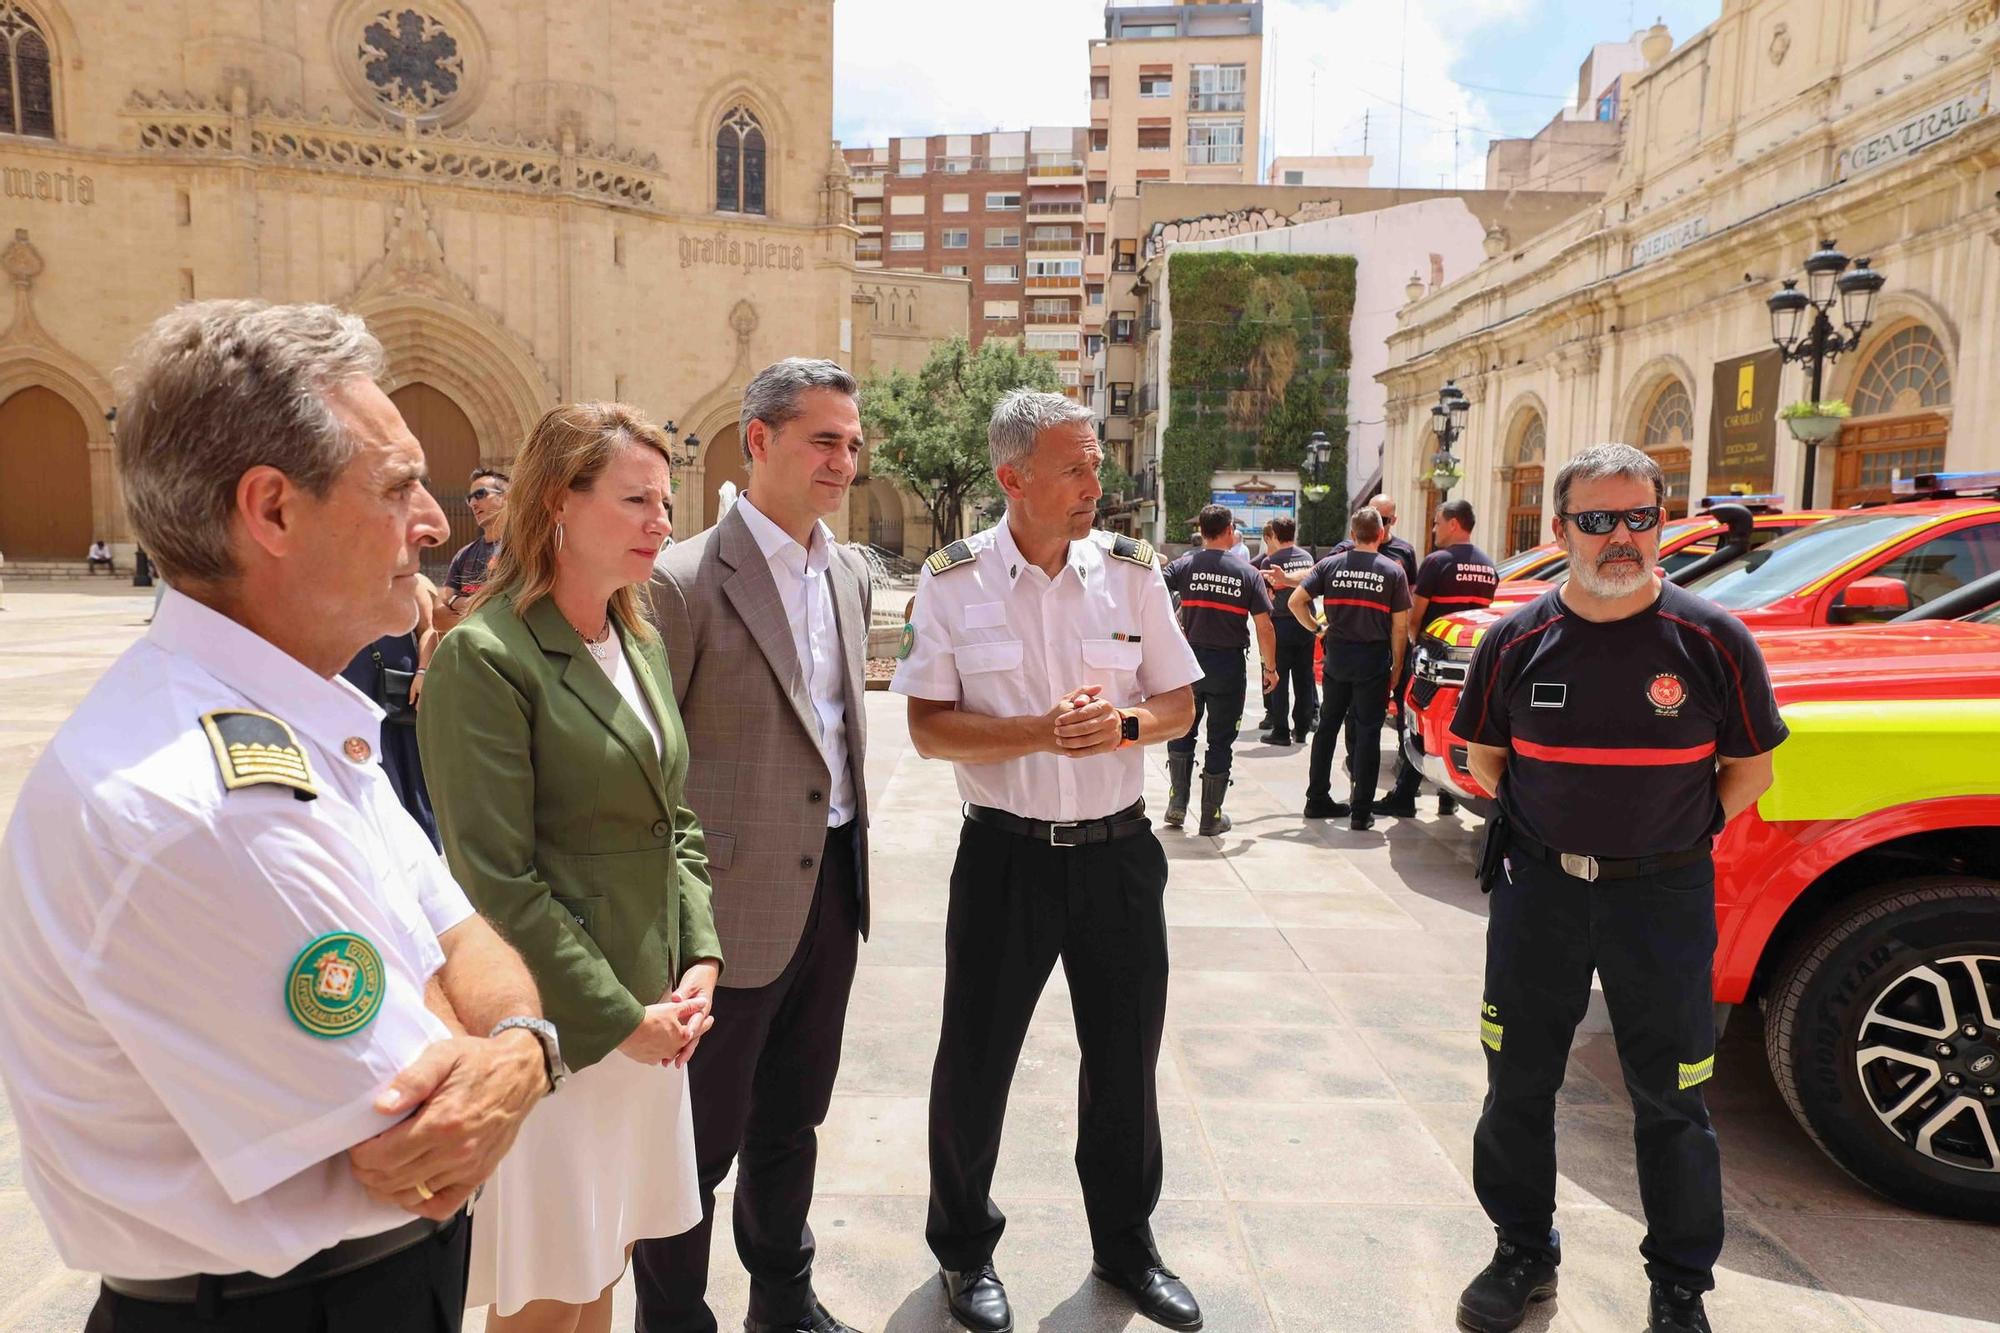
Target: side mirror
{"points": [[1874, 598]]}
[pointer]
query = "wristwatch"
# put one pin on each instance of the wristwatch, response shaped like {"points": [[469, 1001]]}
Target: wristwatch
{"points": [[544, 1032], [1128, 728]]}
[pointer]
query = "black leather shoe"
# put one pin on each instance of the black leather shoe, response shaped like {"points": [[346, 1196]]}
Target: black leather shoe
{"points": [[1446, 805], [1276, 737], [977, 1300], [1402, 807], [1361, 821], [1160, 1296], [1268, 723], [1317, 808], [818, 1321], [1676, 1310], [1497, 1300]]}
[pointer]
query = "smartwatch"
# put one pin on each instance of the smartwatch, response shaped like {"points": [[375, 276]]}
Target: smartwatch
{"points": [[1128, 728], [545, 1033]]}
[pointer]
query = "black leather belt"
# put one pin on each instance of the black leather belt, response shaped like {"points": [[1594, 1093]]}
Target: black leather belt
{"points": [[1593, 868], [334, 1261], [1075, 833]]}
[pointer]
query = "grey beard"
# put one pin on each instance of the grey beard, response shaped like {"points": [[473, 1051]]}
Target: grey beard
{"points": [[1600, 582]]}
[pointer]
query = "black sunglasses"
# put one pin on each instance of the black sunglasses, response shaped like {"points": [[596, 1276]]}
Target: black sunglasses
{"points": [[486, 493], [1599, 522]]}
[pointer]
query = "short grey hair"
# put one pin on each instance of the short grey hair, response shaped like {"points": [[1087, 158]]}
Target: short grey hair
{"points": [[216, 388], [774, 392], [1021, 416], [1366, 525], [1608, 460]]}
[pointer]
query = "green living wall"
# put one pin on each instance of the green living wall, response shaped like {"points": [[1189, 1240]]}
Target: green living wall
{"points": [[1259, 362]]}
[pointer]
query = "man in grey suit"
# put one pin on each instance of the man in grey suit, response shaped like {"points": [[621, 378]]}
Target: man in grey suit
{"points": [[765, 618]]}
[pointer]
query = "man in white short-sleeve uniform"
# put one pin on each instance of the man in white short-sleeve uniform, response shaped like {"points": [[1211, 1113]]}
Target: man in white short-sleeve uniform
{"points": [[1039, 657], [235, 980]]}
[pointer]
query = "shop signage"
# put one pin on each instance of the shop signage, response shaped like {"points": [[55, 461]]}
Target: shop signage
{"points": [[1743, 424], [1685, 232], [1256, 502], [1931, 125]]}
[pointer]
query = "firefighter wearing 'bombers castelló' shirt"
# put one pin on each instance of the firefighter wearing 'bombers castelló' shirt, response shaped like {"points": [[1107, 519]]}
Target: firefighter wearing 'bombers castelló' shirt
{"points": [[1622, 722]]}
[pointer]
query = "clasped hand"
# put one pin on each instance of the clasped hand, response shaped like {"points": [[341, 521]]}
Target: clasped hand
{"points": [[1084, 723], [672, 1028]]}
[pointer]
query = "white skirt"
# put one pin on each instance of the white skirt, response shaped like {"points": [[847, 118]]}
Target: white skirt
{"points": [[607, 1161]]}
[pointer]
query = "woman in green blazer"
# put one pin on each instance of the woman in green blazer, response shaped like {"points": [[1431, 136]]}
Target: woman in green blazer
{"points": [[556, 758]]}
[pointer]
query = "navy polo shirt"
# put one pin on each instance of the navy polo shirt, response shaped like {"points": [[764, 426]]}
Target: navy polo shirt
{"points": [[1219, 593], [1452, 578], [1360, 592]]}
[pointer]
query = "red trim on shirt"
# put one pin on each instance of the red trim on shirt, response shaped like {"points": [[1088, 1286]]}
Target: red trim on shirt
{"points": [[1216, 606], [1356, 601], [1460, 601], [1612, 756], [1735, 673]]}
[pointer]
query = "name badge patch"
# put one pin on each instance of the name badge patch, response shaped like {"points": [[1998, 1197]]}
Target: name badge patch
{"points": [[335, 985], [1547, 694]]}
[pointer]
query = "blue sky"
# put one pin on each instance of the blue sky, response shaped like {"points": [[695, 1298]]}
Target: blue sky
{"points": [[1497, 66]]}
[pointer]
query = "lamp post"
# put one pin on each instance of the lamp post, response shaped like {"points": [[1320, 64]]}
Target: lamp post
{"points": [[1447, 425], [1319, 451], [1802, 327]]}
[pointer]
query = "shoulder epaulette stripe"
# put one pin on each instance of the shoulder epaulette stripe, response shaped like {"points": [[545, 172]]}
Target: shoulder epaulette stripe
{"points": [[254, 749], [951, 557], [1132, 549]]}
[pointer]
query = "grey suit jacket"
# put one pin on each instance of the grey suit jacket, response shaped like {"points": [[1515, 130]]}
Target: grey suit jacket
{"points": [[757, 777]]}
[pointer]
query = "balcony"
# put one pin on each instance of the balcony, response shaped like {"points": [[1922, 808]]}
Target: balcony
{"points": [[1066, 315], [1121, 400], [1070, 244], [1065, 208], [1055, 281], [1149, 399], [1215, 154], [1121, 330], [1063, 168], [1215, 101]]}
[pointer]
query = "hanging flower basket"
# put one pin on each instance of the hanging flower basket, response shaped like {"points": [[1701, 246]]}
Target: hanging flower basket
{"points": [[1815, 423]]}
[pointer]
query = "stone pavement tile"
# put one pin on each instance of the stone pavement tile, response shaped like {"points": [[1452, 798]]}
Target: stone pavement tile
{"points": [[1372, 1267], [903, 942], [32, 1278], [1759, 1283], [1245, 999], [899, 893], [1406, 1002], [915, 995], [1449, 1065], [1038, 1152], [1297, 854], [1279, 1065], [1595, 1165], [894, 1060], [1909, 1274], [1232, 949], [1365, 910], [1230, 907], [1406, 952], [1329, 1152]]}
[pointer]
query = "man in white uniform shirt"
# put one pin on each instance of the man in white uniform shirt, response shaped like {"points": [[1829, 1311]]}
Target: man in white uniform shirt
{"points": [[765, 621], [236, 983], [1038, 659]]}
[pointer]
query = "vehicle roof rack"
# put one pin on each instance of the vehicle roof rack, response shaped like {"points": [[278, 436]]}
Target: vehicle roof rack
{"points": [[1767, 503], [1942, 485]]}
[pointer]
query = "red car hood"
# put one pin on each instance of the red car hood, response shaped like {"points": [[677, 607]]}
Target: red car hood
{"points": [[1936, 659]]}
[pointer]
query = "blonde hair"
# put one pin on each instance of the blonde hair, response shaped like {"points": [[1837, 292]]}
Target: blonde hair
{"points": [[568, 450]]}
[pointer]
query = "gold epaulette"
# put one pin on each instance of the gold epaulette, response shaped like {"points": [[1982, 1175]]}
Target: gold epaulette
{"points": [[951, 557], [255, 749], [1132, 549]]}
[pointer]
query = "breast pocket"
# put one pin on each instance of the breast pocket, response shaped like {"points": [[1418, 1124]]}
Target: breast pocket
{"points": [[986, 674], [1116, 664]]}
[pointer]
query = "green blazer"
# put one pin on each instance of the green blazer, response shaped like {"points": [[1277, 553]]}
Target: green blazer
{"points": [[559, 821]]}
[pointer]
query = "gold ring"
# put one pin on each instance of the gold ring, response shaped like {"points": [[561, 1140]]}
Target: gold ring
{"points": [[424, 1192]]}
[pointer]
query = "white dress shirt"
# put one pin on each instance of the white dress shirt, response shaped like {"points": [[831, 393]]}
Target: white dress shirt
{"points": [[174, 1117], [1001, 638], [807, 594]]}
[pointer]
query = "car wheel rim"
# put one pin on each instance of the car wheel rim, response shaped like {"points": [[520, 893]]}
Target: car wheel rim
{"points": [[1928, 1056]]}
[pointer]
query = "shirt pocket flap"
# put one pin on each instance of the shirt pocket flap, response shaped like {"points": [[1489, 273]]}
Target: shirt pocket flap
{"points": [[975, 658], [1112, 654]]}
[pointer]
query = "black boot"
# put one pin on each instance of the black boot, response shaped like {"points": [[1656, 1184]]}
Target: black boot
{"points": [[1361, 813], [1497, 1300], [1180, 778], [1676, 1310], [1402, 802], [1214, 786], [1276, 736], [1320, 807], [1446, 806]]}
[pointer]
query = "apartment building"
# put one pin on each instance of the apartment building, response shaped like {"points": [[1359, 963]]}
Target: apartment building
{"points": [[1003, 210]]}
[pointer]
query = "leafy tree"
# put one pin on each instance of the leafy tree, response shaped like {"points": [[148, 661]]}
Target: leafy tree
{"points": [[928, 430]]}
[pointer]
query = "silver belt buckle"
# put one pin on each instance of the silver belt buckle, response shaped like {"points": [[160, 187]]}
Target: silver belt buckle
{"points": [[1582, 867], [1055, 841]]}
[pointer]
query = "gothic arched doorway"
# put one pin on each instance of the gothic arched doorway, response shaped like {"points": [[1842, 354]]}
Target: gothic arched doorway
{"points": [[451, 451], [45, 509], [885, 516], [721, 460]]}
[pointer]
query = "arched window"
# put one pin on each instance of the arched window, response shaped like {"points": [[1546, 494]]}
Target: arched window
{"points": [[1667, 435], [1906, 372], [27, 88], [739, 163], [1524, 487]]}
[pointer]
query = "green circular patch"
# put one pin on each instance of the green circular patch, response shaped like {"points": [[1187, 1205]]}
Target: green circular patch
{"points": [[335, 985], [909, 642]]}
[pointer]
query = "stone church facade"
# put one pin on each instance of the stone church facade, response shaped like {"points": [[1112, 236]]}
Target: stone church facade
{"points": [[530, 202]]}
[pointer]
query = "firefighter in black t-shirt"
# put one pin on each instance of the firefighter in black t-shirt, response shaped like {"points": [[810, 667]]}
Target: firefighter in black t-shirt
{"points": [[1367, 603], [1456, 576], [1220, 595], [1294, 694], [1622, 722]]}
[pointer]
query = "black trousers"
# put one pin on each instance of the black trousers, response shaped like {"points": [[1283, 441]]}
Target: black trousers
{"points": [[1651, 941], [1219, 695], [1363, 704], [418, 1290], [1294, 692], [1017, 906], [761, 1082]]}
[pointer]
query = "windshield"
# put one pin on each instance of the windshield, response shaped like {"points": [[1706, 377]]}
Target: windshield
{"points": [[1796, 559], [1513, 564], [1990, 616]]}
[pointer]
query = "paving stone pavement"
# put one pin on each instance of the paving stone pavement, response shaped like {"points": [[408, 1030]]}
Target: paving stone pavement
{"points": [[1318, 1088]]}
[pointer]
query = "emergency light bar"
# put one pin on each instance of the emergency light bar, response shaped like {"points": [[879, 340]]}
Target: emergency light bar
{"points": [[1944, 483], [1766, 503]]}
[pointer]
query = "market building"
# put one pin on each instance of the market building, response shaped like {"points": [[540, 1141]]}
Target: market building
{"points": [[1644, 318]]}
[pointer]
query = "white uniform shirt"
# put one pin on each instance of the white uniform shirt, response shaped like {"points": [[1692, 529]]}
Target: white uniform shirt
{"points": [[174, 1117], [807, 595], [1001, 638]]}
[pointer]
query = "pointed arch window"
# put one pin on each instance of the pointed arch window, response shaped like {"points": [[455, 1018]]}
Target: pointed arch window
{"points": [[27, 81], [739, 163], [1667, 436]]}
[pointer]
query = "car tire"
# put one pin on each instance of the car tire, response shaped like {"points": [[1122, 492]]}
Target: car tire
{"points": [[1875, 1092]]}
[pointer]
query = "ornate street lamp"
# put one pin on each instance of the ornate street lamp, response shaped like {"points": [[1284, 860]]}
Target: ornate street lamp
{"points": [[1802, 326], [1319, 452], [1447, 425]]}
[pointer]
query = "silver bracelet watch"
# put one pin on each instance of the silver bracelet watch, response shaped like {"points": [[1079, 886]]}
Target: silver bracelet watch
{"points": [[544, 1032]]}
